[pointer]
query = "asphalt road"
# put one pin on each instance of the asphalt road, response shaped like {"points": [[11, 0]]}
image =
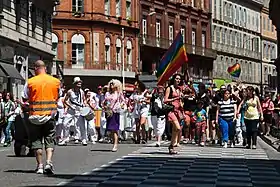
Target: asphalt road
{"points": [[68, 162], [141, 165]]}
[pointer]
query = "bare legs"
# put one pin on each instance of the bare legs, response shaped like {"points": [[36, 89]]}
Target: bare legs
{"points": [[176, 131], [115, 138]]}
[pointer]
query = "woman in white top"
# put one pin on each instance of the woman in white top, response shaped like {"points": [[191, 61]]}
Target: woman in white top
{"points": [[142, 108]]}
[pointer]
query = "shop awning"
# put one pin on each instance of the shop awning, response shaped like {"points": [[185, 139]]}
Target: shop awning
{"points": [[3, 77], [12, 73]]}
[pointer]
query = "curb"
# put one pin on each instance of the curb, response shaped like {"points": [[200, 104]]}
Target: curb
{"points": [[273, 142]]}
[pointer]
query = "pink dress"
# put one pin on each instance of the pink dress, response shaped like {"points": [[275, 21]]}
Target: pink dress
{"points": [[178, 113]]}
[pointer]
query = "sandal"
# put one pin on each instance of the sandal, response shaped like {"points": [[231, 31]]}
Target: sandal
{"points": [[172, 151]]}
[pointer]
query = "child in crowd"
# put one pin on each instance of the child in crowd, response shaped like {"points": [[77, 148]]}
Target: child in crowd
{"points": [[200, 115]]}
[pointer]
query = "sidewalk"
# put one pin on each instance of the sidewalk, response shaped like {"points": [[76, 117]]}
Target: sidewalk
{"points": [[273, 142]]}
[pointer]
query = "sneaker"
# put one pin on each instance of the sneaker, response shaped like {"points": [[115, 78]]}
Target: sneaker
{"points": [[239, 144], [157, 144], [84, 142], [6, 144], [202, 144], [49, 168], [254, 147], [232, 145], [225, 145], [62, 143], [185, 141], [193, 141], [40, 169], [76, 141]]}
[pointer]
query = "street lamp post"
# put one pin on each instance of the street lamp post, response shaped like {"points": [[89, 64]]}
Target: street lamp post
{"points": [[123, 73]]}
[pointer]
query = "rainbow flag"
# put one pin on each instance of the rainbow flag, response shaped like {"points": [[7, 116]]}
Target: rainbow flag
{"points": [[172, 60], [235, 70]]}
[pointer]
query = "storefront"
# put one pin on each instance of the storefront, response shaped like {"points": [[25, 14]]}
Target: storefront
{"points": [[16, 64], [11, 80]]}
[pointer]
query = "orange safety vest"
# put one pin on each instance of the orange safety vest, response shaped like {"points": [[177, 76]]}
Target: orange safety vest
{"points": [[43, 94]]}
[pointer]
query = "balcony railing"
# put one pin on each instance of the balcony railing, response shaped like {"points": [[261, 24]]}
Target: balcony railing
{"points": [[236, 50], [101, 66], [165, 44]]}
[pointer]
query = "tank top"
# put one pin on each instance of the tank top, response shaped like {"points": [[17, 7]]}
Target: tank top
{"points": [[251, 111], [76, 97]]}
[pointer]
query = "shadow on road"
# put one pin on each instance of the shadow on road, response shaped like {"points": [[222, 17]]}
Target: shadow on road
{"points": [[101, 150], [20, 171], [162, 171]]}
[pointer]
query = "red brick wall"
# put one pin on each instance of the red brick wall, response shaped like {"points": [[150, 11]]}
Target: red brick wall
{"points": [[191, 16], [92, 21]]}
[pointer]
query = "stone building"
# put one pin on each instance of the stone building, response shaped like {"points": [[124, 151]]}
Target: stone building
{"points": [[160, 23], [269, 48], [96, 40], [274, 7], [25, 36], [237, 38]]}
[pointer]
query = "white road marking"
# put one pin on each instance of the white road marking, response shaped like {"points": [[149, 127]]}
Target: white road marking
{"points": [[2, 150]]}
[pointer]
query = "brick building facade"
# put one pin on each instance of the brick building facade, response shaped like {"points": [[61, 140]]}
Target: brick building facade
{"points": [[93, 38], [160, 23]]}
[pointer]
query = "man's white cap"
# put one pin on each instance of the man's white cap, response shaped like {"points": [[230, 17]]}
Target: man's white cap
{"points": [[76, 80]]}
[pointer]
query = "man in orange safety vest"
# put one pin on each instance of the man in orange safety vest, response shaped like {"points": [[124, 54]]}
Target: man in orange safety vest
{"points": [[42, 93]]}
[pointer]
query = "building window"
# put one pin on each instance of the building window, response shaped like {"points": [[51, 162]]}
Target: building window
{"points": [[269, 52], [118, 8], [77, 5], [268, 24], [158, 33], [237, 15], [171, 33], [78, 49], [227, 36], [118, 51], [221, 10], [54, 44], [244, 18], [128, 8], [225, 11], [203, 39], [264, 23], [215, 8], [230, 13], [203, 42], [264, 51], [144, 27], [193, 36], [129, 53], [234, 14], [249, 19], [107, 7], [257, 22], [223, 36], [218, 34], [183, 32], [273, 53], [193, 40], [107, 50]]}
